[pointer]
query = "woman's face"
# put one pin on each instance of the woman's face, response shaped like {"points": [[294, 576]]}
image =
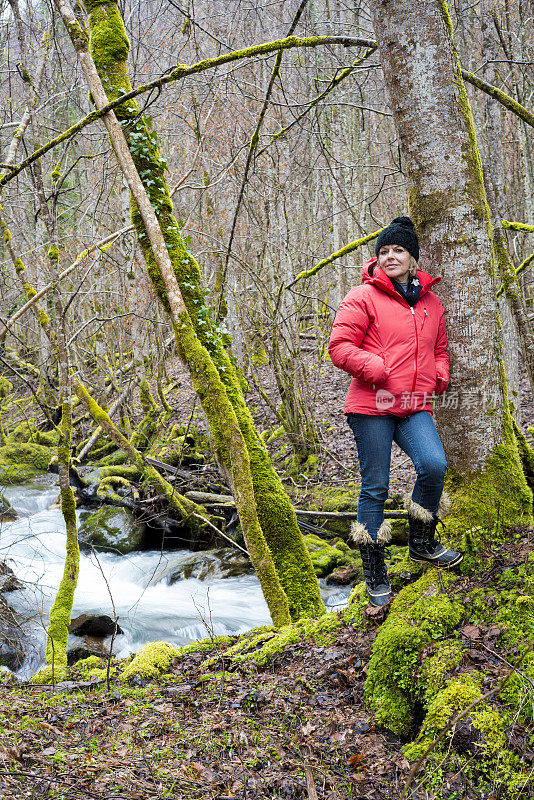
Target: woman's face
{"points": [[395, 261]]}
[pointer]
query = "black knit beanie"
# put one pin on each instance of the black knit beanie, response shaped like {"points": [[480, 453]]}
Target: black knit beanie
{"points": [[400, 231]]}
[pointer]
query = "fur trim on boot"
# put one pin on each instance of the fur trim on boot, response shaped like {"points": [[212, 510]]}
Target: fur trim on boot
{"points": [[384, 533], [444, 505], [416, 511], [359, 534]]}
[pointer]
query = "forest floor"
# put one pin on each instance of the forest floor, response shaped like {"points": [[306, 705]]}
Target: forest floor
{"points": [[245, 734], [297, 728]]}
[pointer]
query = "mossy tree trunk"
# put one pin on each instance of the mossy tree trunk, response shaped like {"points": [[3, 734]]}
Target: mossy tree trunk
{"points": [[109, 47], [448, 203], [60, 613], [518, 332], [205, 377]]}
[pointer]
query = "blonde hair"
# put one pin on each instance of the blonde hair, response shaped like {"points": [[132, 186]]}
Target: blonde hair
{"points": [[413, 267]]}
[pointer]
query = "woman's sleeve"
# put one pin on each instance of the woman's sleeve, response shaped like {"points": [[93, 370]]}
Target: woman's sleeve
{"points": [[350, 326], [441, 356]]}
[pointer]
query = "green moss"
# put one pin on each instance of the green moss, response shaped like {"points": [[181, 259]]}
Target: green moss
{"points": [[435, 670], [457, 695], [151, 661], [6, 387], [31, 458], [326, 557], [128, 471], [518, 694], [25, 432], [358, 602], [419, 614], [111, 529], [262, 644], [107, 486], [56, 648], [146, 398], [118, 457], [28, 431], [486, 500]]}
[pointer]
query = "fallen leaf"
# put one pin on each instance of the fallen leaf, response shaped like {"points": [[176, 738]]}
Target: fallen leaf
{"points": [[471, 631]]}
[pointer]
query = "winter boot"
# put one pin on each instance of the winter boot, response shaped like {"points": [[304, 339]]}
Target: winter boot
{"points": [[422, 544], [374, 566]]}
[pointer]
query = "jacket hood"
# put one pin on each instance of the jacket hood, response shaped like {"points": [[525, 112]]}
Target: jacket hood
{"points": [[373, 274]]}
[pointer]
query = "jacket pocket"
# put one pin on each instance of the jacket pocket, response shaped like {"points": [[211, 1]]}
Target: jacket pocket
{"points": [[375, 371]]}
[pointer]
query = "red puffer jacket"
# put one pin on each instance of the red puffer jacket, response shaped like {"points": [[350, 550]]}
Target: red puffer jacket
{"points": [[395, 353]]}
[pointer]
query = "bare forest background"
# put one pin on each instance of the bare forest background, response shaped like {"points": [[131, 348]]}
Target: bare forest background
{"points": [[325, 170]]}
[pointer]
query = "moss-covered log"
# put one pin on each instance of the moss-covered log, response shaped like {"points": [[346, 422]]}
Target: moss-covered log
{"points": [[109, 47], [195, 515]]}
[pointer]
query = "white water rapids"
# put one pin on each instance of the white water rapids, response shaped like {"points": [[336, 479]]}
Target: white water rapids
{"points": [[130, 586]]}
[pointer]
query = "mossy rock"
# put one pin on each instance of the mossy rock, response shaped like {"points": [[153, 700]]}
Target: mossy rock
{"points": [[7, 512], [24, 432], [111, 529], [327, 557], [48, 438], [28, 432], [6, 387], [421, 613], [21, 461], [224, 562]]}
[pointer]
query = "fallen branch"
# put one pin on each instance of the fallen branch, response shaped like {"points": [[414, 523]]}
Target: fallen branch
{"points": [[88, 446], [182, 71]]}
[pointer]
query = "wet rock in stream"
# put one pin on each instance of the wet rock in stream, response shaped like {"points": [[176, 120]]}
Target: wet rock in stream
{"points": [[96, 625], [7, 512], [8, 580], [112, 529], [12, 638], [221, 563]]}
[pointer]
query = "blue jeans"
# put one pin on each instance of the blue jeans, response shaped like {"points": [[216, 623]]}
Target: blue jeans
{"points": [[418, 437]]}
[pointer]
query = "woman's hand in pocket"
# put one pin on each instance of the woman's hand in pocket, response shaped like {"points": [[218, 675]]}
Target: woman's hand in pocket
{"points": [[441, 385]]}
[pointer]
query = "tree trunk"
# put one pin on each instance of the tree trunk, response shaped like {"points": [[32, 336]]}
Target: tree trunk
{"points": [[449, 206], [109, 47]]}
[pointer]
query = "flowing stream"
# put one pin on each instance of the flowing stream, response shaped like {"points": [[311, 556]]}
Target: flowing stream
{"points": [[134, 587]]}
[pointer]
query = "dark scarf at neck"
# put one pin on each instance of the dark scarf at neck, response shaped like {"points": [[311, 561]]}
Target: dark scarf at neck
{"points": [[410, 292]]}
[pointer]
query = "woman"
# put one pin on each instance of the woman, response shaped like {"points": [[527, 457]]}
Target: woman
{"points": [[389, 334]]}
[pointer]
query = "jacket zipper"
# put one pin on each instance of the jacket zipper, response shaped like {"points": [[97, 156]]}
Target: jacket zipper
{"points": [[416, 349], [424, 318]]}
